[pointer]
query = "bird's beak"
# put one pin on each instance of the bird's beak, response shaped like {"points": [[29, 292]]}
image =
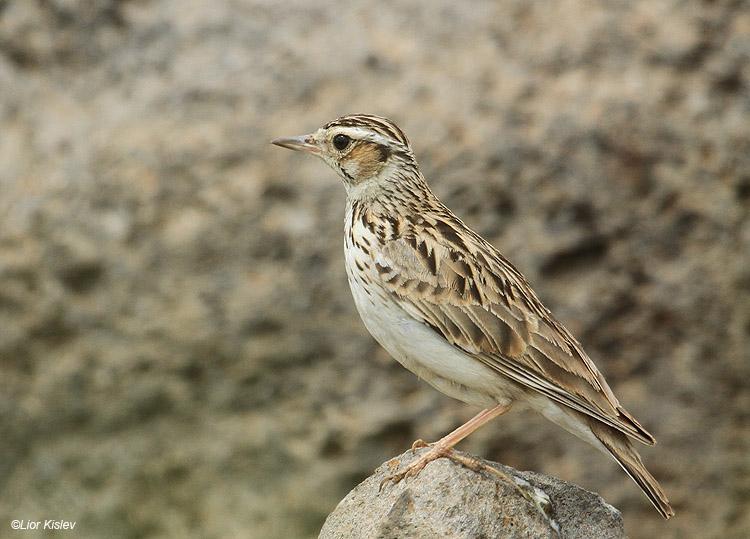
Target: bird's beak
{"points": [[303, 143]]}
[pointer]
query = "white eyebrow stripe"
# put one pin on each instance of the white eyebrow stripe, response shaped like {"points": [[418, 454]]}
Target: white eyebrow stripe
{"points": [[359, 133]]}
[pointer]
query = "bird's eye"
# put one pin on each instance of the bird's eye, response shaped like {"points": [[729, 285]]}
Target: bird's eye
{"points": [[341, 141]]}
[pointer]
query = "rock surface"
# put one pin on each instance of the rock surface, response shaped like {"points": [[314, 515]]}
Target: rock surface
{"points": [[450, 500], [180, 355]]}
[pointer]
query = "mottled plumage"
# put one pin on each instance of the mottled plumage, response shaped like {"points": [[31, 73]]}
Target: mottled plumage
{"points": [[449, 307]]}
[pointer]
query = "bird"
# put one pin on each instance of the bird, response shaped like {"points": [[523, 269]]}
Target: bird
{"points": [[452, 309]]}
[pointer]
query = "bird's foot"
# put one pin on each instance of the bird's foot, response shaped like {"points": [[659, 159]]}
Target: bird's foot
{"points": [[437, 451], [419, 444], [534, 495]]}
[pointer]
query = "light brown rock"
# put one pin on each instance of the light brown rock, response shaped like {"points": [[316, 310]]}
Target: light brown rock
{"points": [[449, 500]]}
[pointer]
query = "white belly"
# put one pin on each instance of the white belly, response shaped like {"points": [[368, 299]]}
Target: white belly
{"points": [[424, 352]]}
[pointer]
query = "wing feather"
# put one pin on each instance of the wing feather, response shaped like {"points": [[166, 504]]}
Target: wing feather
{"points": [[455, 282]]}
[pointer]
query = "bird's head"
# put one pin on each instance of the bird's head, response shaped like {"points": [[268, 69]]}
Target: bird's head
{"points": [[360, 147]]}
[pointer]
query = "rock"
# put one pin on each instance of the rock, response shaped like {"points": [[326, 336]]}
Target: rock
{"points": [[448, 499]]}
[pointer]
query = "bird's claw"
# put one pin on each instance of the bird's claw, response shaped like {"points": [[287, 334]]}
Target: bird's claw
{"points": [[411, 471], [419, 444]]}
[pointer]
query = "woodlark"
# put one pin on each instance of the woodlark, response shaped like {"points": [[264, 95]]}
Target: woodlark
{"points": [[451, 309]]}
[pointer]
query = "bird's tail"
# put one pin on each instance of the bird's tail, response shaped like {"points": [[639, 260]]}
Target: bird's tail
{"points": [[619, 446]]}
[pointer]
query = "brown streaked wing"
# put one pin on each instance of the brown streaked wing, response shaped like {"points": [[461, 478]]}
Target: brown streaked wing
{"points": [[489, 311]]}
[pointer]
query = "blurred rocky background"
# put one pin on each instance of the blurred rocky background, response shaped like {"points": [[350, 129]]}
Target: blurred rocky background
{"points": [[179, 352]]}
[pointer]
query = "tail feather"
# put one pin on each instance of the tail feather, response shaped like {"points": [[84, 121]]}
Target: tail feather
{"points": [[621, 449]]}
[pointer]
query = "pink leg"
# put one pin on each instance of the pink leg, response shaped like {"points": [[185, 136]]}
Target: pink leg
{"points": [[444, 446]]}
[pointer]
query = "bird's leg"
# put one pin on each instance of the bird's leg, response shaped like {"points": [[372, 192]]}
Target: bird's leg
{"points": [[444, 446]]}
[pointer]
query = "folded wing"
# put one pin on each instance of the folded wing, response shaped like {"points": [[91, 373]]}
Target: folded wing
{"points": [[458, 284]]}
